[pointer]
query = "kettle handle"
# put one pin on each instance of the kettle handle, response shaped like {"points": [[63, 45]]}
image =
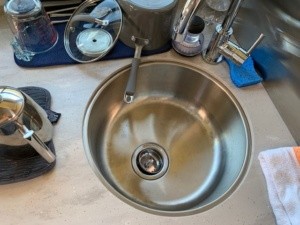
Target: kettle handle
{"points": [[36, 143]]}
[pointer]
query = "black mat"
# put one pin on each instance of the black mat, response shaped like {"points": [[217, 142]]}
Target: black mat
{"points": [[58, 55], [24, 163]]}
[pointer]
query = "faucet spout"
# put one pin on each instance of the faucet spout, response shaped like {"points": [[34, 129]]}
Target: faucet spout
{"points": [[231, 14], [182, 24]]}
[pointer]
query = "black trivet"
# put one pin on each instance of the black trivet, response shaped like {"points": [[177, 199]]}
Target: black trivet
{"points": [[24, 163]]}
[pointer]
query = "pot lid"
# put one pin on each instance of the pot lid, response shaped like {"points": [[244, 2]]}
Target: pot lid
{"points": [[11, 104], [93, 30]]}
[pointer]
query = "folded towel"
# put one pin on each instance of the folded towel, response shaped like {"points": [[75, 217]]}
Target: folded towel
{"points": [[244, 75], [281, 168]]}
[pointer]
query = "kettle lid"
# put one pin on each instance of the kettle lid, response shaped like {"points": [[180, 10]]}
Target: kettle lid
{"points": [[11, 104]]}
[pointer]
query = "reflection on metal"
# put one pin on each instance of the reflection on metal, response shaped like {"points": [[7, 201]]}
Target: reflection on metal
{"points": [[170, 151], [182, 24], [278, 58]]}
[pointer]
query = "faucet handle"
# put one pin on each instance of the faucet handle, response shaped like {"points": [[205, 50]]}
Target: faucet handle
{"points": [[236, 53], [255, 44]]}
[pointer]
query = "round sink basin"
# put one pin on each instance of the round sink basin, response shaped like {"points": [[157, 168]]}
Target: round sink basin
{"points": [[181, 147]]}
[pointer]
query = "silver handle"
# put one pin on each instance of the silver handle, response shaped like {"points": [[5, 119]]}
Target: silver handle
{"points": [[237, 54], [256, 43], [36, 143], [90, 19]]}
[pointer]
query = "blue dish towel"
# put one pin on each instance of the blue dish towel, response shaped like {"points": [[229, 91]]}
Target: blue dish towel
{"points": [[244, 75]]}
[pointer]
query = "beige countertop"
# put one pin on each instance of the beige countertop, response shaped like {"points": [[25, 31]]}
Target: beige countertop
{"points": [[72, 194]]}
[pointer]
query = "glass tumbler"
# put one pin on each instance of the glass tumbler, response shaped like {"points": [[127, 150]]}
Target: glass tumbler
{"points": [[32, 30]]}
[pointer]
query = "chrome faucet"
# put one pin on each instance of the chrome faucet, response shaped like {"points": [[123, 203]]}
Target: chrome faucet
{"points": [[220, 44]]}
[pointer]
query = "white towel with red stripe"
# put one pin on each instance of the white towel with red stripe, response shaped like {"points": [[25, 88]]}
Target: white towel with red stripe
{"points": [[281, 168]]}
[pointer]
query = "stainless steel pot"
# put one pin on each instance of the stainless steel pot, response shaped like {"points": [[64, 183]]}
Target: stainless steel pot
{"points": [[23, 121], [146, 19]]}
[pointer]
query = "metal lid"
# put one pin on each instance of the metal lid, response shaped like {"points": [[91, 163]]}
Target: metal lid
{"points": [[93, 41], [93, 30], [11, 104]]}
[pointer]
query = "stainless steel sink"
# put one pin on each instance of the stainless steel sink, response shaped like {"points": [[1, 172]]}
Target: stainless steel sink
{"points": [[180, 148]]}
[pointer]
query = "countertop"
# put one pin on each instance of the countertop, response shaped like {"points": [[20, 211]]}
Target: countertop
{"points": [[72, 194]]}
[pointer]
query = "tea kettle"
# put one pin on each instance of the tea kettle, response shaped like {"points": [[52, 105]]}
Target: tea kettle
{"points": [[23, 121]]}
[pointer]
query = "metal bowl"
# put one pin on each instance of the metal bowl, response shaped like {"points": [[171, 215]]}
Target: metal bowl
{"points": [[180, 148]]}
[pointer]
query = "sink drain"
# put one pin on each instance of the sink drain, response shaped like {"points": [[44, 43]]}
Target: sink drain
{"points": [[150, 161]]}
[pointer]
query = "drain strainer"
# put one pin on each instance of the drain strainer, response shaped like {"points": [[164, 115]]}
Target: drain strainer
{"points": [[150, 161]]}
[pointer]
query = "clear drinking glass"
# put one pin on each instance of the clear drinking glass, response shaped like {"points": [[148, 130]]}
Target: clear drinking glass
{"points": [[31, 27]]}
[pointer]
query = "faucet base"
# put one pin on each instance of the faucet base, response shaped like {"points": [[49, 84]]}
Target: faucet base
{"points": [[209, 60], [212, 54]]}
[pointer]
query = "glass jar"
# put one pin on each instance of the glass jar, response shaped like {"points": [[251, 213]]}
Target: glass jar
{"points": [[32, 30]]}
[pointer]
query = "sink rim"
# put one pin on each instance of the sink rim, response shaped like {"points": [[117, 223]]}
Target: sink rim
{"points": [[233, 187]]}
